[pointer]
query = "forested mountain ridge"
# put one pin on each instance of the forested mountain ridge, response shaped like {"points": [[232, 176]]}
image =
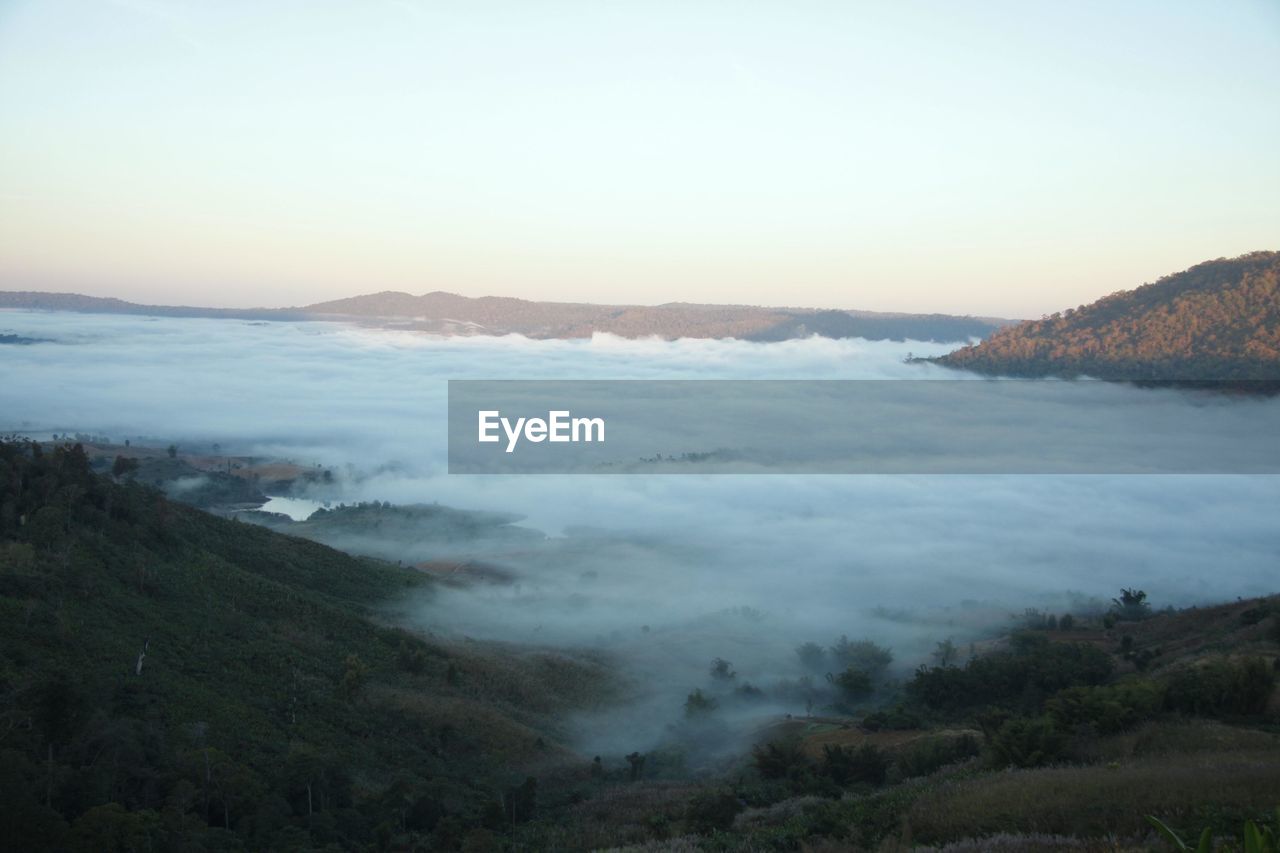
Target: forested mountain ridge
{"points": [[452, 313], [1219, 320], [445, 313], [39, 300]]}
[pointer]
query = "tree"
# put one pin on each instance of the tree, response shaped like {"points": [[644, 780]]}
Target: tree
{"points": [[864, 655], [315, 781], [354, 675], [853, 684], [813, 657], [123, 466], [61, 709], [172, 450], [520, 801], [699, 704], [946, 653], [110, 828], [722, 670], [1131, 606]]}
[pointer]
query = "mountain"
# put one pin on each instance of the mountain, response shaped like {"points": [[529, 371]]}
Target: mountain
{"points": [[1219, 320], [450, 313], [37, 300], [444, 313]]}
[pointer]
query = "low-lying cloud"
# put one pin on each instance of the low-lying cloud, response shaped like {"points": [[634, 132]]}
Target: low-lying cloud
{"points": [[669, 571]]}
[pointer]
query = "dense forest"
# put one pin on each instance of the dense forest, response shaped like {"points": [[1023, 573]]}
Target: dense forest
{"points": [[1219, 320]]}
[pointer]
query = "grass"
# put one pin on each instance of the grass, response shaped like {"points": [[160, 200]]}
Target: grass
{"points": [[1179, 737], [1221, 789]]}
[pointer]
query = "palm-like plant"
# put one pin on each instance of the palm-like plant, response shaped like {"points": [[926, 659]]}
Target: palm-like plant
{"points": [[1256, 839]]}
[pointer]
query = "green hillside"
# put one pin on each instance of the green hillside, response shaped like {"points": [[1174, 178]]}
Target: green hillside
{"points": [[270, 708], [1219, 320]]}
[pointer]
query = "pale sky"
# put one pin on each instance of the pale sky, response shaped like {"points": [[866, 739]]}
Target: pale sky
{"points": [[1005, 158]]}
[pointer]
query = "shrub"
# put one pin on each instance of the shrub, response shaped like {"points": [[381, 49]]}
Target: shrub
{"points": [[1222, 688], [897, 718], [782, 759], [932, 753], [1254, 615], [1027, 742], [1106, 709], [845, 766], [712, 811]]}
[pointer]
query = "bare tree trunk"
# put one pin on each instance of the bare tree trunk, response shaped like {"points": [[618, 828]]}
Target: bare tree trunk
{"points": [[146, 647]]}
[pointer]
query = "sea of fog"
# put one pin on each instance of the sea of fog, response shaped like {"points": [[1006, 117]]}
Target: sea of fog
{"points": [[683, 567]]}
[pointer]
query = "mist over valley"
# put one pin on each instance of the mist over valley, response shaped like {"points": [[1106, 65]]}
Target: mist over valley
{"points": [[663, 574]]}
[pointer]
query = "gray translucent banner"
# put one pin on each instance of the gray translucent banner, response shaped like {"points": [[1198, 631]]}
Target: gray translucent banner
{"points": [[858, 427]]}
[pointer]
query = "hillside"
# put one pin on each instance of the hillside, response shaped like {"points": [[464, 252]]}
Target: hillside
{"points": [[175, 681], [1219, 320], [1060, 732], [171, 680]]}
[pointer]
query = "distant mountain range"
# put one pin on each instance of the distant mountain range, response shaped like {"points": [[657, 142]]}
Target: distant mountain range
{"points": [[1219, 320], [450, 314], [41, 301]]}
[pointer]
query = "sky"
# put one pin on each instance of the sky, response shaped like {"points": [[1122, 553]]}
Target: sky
{"points": [[997, 158]]}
